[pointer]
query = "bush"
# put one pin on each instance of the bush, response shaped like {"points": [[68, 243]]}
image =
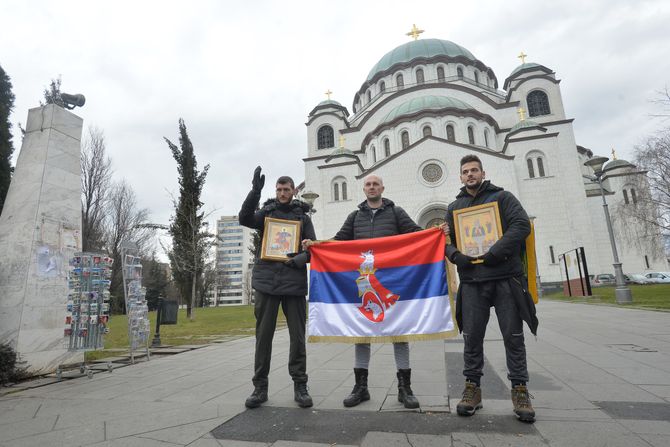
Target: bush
{"points": [[8, 370]]}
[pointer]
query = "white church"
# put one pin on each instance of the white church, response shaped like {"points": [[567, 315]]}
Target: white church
{"points": [[429, 102]]}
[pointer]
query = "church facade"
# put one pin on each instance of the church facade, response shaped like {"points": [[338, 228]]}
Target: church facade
{"points": [[429, 102]]}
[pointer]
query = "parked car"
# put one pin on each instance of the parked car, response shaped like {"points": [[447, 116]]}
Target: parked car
{"points": [[603, 279], [635, 278], [658, 277]]}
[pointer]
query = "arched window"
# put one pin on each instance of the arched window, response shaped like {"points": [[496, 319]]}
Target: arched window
{"points": [[538, 103], [440, 74], [399, 81], [531, 171], [471, 135], [486, 137], [535, 163], [459, 72], [476, 77], [404, 138], [540, 167], [427, 131], [368, 95], [625, 197], [633, 196], [325, 137], [419, 76], [374, 154], [451, 135], [336, 192], [382, 87], [387, 148], [344, 190]]}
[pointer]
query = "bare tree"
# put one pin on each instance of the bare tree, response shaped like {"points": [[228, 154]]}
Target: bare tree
{"points": [[663, 101], [124, 225], [96, 177]]}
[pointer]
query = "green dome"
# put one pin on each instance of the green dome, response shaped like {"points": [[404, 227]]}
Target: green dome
{"points": [[523, 67], [425, 103], [524, 124], [422, 48], [329, 102]]}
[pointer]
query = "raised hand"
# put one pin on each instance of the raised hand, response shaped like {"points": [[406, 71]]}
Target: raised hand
{"points": [[259, 180]]}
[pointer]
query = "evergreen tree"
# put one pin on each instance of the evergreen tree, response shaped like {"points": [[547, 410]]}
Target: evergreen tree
{"points": [[190, 240], [6, 147], [155, 281]]}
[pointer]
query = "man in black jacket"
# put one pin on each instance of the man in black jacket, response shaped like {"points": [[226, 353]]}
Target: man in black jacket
{"points": [[378, 217], [276, 283], [498, 281]]}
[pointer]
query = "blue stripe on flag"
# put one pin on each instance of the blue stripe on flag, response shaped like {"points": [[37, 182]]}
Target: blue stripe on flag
{"points": [[410, 282]]}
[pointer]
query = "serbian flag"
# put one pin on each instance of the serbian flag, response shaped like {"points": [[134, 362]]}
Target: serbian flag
{"points": [[388, 289]]}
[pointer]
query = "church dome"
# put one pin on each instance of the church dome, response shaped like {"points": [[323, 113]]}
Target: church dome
{"points": [[422, 48], [523, 125], [617, 164], [427, 102], [524, 67], [329, 102]]}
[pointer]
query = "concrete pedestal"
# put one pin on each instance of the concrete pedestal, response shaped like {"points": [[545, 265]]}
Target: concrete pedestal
{"points": [[40, 229]]}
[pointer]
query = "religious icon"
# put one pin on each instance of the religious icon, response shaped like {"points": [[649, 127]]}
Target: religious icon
{"points": [[477, 229], [280, 237]]}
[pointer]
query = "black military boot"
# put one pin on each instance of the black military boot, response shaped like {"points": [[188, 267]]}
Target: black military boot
{"points": [[360, 392], [301, 395], [259, 396], [405, 394]]}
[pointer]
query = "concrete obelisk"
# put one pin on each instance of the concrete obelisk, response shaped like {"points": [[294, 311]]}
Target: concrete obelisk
{"points": [[40, 230]]}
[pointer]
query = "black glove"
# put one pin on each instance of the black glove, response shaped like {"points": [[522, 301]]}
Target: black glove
{"points": [[462, 261], [490, 259], [259, 180], [291, 263]]}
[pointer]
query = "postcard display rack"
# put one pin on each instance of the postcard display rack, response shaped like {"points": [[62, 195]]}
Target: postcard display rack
{"points": [[87, 304], [136, 305]]}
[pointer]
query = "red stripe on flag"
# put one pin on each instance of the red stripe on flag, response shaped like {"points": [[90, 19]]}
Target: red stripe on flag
{"points": [[422, 247]]}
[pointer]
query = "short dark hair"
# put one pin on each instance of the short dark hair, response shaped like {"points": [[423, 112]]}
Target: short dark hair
{"points": [[284, 179], [470, 158]]}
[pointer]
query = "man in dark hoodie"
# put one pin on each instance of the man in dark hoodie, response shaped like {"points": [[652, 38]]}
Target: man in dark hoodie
{"points": [[279, 283], [498, 282]]}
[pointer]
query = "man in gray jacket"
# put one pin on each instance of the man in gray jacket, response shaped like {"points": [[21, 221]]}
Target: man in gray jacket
{"points": [[278, 283]]}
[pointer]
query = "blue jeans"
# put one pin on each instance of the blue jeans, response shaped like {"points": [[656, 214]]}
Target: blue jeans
{"points": [[477, 300]]}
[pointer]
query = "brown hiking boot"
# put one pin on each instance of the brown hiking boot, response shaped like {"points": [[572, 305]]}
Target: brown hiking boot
{"points": [[472, 400], [522, 406]]}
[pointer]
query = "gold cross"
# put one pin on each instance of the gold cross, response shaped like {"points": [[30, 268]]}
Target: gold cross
{"points": [[342, 141], [328, 93], [521, 112], [414, 33], [522, 56], [613, 154]]}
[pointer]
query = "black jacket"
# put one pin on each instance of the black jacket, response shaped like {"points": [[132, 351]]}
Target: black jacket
{"points": [[389, 220], [515, 227], [275, 277]]}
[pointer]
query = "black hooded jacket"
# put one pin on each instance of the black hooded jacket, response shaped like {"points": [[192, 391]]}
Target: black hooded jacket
{"points": [[275, 277]]}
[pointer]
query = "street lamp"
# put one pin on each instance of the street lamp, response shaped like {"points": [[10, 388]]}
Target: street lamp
{"points": [[310, 197], [622, 292]]}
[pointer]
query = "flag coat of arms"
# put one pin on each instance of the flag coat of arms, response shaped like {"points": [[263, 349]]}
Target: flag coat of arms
{"points": [[389, 289]]}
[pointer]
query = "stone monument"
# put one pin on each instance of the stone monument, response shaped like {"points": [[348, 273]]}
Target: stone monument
{"points": [[40, 230]]}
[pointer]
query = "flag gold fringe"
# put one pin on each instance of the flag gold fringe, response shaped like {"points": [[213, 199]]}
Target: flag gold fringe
{"points": [[381, 339]]}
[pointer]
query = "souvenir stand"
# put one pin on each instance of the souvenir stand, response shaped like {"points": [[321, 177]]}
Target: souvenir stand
{"points": [[87, 311], [136, 304]]}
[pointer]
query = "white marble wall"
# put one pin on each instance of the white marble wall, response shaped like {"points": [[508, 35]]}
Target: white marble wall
{"points": [[40, 230]]}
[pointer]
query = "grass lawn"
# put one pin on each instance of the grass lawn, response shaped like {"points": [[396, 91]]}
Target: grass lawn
{"points": [[652, 297], [210, 324]]}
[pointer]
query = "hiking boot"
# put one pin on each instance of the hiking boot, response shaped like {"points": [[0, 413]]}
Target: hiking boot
{"points": [[472, 400], [405, 394], [301, 395], [360, 392], [522, 406], [259, 396]]}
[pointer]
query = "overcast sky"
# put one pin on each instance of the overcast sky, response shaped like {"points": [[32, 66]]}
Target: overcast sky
{"points": [[245, 74]]}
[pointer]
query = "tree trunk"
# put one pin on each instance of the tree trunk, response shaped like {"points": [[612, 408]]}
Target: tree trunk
{"points": [[193, 296]]}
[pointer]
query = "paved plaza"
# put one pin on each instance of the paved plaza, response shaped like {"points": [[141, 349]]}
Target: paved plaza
{"points": [[600, 376]]}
